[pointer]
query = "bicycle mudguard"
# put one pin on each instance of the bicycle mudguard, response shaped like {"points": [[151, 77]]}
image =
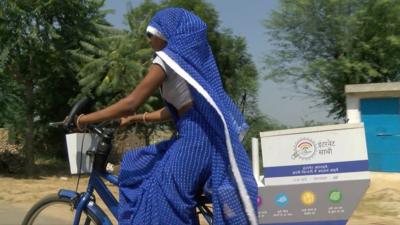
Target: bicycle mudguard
{"points": [[91, 206], [68, 194]]}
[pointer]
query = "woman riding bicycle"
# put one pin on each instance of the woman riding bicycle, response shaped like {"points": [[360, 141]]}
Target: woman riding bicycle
{"points": [[159, 183]]}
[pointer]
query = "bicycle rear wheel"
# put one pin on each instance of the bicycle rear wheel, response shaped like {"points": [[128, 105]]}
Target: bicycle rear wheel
{"points": [[55, 210]]}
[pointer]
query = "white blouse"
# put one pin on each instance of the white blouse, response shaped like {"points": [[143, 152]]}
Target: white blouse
{"points": [[174, 89]]}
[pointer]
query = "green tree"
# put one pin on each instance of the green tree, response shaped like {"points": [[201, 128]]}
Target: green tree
{"points": [[110, 66], [322, 45], [35, 64]]}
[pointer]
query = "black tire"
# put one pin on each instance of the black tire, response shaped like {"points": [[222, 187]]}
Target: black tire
{"points": [[205, 214], [44, 212]]}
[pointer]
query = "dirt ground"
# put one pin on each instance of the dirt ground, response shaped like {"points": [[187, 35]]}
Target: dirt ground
{"points": [[380, 205]]}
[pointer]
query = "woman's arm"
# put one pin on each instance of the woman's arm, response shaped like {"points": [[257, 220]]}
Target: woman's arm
{"points": [[162, 114], [128, 105]]}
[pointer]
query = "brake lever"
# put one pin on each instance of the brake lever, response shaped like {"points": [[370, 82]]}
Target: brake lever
{"points": [[69, 124], [56, 124]]}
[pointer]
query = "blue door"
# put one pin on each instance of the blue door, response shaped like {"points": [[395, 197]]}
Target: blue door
{"points": [[381, 117]]}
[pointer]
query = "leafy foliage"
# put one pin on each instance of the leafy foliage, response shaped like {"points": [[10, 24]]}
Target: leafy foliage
{"points": [[35, 64], [111, 65], [323, 45]]}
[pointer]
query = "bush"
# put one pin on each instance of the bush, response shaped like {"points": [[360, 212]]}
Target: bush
{"points": [[11, 162]]}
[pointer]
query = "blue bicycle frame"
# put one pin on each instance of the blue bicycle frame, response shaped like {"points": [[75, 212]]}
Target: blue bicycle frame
{"points": [[85, 200]]}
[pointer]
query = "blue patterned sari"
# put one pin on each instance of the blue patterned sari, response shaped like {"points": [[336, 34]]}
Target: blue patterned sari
{"points": [[159, 183]]}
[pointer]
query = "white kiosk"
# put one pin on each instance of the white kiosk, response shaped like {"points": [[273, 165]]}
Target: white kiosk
{"points": [[314, 175]]}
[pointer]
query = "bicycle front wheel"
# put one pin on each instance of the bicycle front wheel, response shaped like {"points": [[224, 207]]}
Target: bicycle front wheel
{"points": [[55, 210]]}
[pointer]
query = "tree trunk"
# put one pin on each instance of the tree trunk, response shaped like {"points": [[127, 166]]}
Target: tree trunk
{"points": [[28, 145]]}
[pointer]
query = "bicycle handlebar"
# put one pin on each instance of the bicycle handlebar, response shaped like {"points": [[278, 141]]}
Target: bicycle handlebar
{"points": [[77, 108], [69, 123]]}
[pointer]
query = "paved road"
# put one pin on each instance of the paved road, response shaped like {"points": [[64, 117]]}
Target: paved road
{"points": [[13, 214]]}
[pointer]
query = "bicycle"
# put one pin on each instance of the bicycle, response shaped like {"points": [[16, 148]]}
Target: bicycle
{"points": [[84, 204]]}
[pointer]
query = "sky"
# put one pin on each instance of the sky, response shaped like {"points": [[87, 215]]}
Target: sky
{"points": [[278, 101]]}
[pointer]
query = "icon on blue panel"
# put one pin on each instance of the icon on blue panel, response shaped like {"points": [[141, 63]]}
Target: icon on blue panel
{"points": [[281, 200]]}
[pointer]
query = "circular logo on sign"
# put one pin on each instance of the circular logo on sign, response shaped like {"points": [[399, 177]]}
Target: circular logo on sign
{"points": [[281, 200], [308, 198], [335, 196], [304, 149]]}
